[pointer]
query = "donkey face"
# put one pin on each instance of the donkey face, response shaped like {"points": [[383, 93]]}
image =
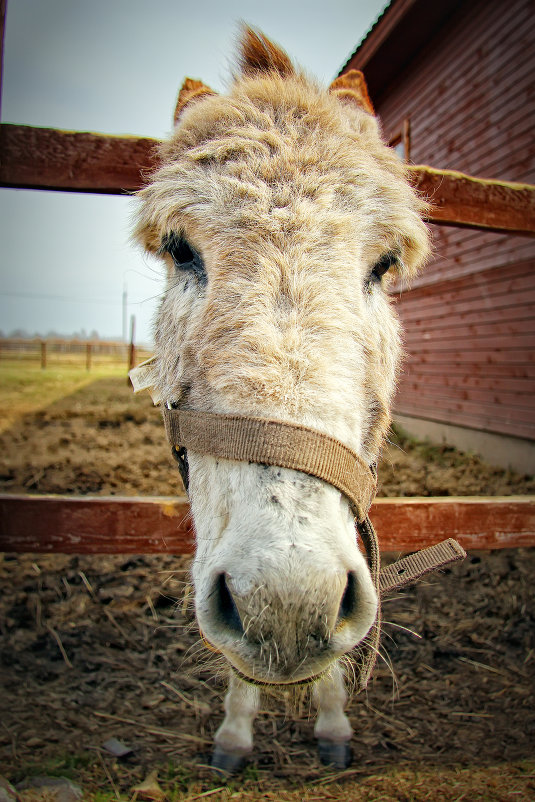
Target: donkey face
{"points": [[278, 210]]}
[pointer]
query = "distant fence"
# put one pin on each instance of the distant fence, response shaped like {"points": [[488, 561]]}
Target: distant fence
{"points": [[69, 353]]}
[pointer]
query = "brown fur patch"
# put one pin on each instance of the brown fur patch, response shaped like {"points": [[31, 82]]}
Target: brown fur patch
{"points": [[191, 90], [351, 87], [260, 55]]}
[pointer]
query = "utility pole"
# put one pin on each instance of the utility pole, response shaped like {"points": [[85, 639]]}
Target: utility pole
{"points": [[125, 309]]}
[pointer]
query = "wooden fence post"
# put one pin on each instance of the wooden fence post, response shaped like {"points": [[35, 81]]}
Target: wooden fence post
{"points": [[43, 354], [3, 9], [132, 347], [88, 356]]}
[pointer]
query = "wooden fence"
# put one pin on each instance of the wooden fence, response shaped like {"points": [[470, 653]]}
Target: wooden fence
{"points": [[72, 353], [46, 158]]}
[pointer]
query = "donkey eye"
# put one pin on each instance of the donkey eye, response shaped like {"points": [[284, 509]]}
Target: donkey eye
{"points": [[382, 266], [183, 255]]}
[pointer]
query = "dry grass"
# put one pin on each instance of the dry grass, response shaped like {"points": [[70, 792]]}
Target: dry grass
{"points": [[105, 781]]}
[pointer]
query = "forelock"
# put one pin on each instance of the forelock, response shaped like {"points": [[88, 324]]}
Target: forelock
{"points": [[276, 128]]}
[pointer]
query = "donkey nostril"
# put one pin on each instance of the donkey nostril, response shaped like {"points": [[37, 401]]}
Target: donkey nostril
{"points": [[226, 607], [349, 599]]}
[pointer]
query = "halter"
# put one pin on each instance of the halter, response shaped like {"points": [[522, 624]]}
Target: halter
{"points": [[289, 445], [300, 448]]}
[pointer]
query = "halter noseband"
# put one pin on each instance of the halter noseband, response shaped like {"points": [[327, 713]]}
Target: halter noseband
{"points": [[300, 448]]}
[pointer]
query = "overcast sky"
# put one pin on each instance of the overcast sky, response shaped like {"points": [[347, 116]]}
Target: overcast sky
{"points": [[115, 66]]}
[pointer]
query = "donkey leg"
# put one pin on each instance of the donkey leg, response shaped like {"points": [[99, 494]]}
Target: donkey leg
{"points": [[332, 728], [234, 738]]}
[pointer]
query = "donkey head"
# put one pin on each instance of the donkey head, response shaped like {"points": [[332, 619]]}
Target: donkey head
{"points": [[280, 213]]}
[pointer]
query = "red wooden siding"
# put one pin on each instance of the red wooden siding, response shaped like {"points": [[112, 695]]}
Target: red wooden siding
{"points": [[470, 341], [469, 323], [469, 94]]}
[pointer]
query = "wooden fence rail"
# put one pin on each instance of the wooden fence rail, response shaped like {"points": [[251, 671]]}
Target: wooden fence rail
{"points": [[77, 161], [151, 525]]}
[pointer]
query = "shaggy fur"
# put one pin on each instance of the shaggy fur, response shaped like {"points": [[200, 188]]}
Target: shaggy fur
{"points": [[291, 198]]}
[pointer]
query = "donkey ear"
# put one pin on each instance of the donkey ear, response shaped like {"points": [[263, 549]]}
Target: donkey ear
{"points": [[259, 55], [191, 90], [351, 88]]}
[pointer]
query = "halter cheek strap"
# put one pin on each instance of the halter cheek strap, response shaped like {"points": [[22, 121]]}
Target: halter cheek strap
{"points": [[300, 448]]}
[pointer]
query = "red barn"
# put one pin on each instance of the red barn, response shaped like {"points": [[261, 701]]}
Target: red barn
{"points": [[453, 85]]}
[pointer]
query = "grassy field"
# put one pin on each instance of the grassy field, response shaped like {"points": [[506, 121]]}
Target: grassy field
{"points": [[26, 388]]}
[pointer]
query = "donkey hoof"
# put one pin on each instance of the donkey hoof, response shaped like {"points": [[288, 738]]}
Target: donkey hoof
{"points": [[335, 753], [227, 762]]}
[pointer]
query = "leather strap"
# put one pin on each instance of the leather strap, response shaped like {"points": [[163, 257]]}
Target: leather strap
{"points": [[270, 442], [367, 653], [416, 565]]}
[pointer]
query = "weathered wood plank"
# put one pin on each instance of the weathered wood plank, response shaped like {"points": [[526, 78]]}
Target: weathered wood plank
{"points": [[95, 525], [150, 525], [462, 200], [407, 524], [73, 161], [46, 158]]}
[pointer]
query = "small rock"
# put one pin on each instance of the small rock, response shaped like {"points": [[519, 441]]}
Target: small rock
{"points": [[116, 748], [35, 741]]}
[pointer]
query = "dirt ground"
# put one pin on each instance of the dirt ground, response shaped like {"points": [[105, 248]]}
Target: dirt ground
{"points": [[105, 647], [100, 440], [103, 440]]}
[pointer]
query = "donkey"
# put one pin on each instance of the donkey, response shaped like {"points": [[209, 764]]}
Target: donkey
{"points": [[281, 216]]}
